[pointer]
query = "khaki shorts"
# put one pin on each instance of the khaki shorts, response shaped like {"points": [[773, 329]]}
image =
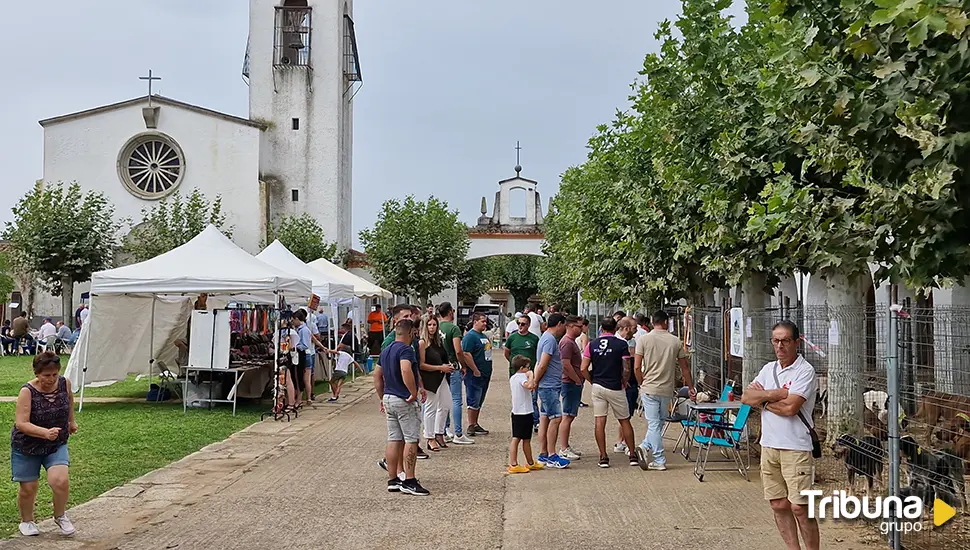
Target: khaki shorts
{"points": [[786, 473], [605, 400]]}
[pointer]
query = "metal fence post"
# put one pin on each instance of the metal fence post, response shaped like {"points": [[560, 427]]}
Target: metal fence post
{"points": [[892, 375]]}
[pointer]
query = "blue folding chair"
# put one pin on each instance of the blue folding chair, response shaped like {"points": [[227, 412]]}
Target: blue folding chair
{"points": [[724, 436], [686, 424]]}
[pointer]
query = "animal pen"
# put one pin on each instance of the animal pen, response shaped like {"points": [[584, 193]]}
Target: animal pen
{"points": [[893, 404]]}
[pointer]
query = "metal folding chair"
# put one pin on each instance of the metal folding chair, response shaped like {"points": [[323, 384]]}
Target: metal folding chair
{"points": [[725, 437], [686, 423]]}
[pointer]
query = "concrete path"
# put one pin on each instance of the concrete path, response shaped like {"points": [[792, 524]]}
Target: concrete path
{"points": [[313, 483]]}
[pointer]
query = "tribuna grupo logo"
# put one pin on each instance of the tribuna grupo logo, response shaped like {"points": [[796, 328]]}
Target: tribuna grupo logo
{"points": [[906, 513]]}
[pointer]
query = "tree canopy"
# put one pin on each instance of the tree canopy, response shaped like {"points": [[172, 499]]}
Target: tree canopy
{"points": [[6, 276], [821, 135], [303, 236], [174, 221], [416, 248], [61, 235], [475, 277]]}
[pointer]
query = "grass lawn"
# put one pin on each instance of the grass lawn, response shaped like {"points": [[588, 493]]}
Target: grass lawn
{"points": [[117, 442], [17, 371]]}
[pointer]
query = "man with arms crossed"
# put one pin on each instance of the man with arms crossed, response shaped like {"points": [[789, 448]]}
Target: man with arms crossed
{"points": [[477, 350], [658, 353], [606, 364], [785, 390], [549, 383], [397, 386]]}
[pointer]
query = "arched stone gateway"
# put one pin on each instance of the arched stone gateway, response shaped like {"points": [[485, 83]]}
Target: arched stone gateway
{"points": [[501, 233]]}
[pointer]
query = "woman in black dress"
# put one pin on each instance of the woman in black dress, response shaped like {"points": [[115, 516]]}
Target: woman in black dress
{"points": [[434, 367]]}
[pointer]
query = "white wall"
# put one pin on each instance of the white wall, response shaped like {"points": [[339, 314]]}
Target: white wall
{"points": [[220, 159], [316, 159]]}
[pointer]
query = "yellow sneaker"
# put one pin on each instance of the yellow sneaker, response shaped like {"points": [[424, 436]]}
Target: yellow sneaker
{"points": [[517, 469], [536, 466]]}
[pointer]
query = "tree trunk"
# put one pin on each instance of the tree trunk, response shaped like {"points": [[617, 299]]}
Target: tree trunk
{"points": [[757, 342], [846, 301], [67, 300]]}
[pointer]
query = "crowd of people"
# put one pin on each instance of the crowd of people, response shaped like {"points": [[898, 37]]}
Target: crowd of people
{"points": [[427, 361], [432, 375]]}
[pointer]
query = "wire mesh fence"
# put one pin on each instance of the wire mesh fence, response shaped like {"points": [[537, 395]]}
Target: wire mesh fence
{"points": [[849, 348]]}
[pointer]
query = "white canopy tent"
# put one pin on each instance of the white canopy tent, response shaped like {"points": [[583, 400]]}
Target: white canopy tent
{"points": [[327, 288], [362, 288], [139, 310]]}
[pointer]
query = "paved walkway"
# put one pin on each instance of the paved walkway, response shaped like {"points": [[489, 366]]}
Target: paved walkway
{"points": [[313, 483]]}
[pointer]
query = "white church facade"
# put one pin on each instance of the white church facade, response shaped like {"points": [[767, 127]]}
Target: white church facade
{"points": [[291, 155]]}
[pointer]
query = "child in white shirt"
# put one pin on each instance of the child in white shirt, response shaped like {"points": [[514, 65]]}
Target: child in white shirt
{"points": [[345, 362], [522, 383]]}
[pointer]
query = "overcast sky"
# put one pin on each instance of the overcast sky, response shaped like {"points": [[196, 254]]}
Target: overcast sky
{"points": [[449, 86]]}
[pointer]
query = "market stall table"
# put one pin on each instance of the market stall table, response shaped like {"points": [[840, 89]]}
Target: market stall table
{"points": [[238, 373]]}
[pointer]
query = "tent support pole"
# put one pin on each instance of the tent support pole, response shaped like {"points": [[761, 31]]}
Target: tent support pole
{"points": [[87, 346], [151, 346], [355, 329]]}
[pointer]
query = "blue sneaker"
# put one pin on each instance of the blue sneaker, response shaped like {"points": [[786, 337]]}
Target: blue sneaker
{"points": [[557, 461], [544, 459]]}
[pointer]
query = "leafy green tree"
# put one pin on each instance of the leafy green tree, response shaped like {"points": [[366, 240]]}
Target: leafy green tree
{"points": [[6, 276], [475, 277], [304, 237], [416, 248], [174, 221], [553, 286], [517, 274], [62, 235]]}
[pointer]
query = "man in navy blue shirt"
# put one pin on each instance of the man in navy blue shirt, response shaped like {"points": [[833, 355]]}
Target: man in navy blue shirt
{"points": [[606, 364], [396, 381]]}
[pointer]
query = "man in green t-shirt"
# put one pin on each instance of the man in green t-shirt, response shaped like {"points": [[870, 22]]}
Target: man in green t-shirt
{"points": [[451, 337], [522, 342], [399, 312]]}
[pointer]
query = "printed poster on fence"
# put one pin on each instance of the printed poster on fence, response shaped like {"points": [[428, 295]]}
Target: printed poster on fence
{"points": [[737, 332]]}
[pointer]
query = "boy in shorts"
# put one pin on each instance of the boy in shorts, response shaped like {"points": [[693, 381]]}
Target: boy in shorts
{"points": [[522, 384], [345, 362]]}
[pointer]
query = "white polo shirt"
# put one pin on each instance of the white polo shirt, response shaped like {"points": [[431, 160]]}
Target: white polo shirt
{"points": [[788, 432]]}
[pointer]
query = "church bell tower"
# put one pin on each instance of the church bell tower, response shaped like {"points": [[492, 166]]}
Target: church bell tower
{"points": [[303, 70]]}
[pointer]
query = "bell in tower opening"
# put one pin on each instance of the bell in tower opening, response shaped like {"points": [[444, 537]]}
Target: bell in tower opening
{"points": [[292, 40]]}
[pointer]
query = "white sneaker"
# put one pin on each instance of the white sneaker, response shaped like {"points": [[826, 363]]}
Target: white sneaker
{"points": [[574, 451], [29, 529], [463, 440], [569, 454], [620, 448], [657, 467], [449, 435], [67, 528]]}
